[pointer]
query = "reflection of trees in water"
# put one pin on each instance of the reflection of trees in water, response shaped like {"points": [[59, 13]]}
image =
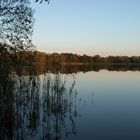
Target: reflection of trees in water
{"points": [[37, 106], [6, 110], [57, 108], [71, 69]]}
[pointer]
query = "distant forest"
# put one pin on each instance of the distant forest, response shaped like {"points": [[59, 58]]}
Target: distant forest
{"points": [[40, 62], [75, 59], [28, 57]]}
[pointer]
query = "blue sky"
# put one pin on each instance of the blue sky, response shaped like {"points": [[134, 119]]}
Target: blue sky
{"points": [[105, 27]]}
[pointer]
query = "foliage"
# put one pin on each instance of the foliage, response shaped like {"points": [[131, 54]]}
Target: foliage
{"points": [[42, 1], [16, 22], [73, 59]]}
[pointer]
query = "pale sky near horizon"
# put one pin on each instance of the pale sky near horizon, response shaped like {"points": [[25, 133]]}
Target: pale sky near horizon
{"points": [[105, 27]]}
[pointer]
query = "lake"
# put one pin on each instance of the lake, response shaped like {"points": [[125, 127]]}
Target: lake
{"points": [[103, 105]]}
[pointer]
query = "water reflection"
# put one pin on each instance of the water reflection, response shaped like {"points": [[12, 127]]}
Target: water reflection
{"points": [[97, 67], [40, 107], [72, 69], [6, 98], [49, 106]]}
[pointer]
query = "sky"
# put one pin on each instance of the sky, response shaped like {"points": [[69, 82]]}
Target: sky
{"points": [[104, 27]]}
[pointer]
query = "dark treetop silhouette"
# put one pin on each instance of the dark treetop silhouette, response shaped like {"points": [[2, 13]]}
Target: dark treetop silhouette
{"points": [[42, 1], [16, 22], [16, 27]]}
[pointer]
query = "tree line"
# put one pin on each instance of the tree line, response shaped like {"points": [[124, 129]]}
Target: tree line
{"points": [[73, 59]]}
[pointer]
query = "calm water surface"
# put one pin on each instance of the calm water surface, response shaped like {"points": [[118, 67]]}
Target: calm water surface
{"points": [[84, 106]]}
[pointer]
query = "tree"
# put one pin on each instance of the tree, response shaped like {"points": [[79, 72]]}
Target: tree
{"points": [[42, 1], [16, 24]]}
